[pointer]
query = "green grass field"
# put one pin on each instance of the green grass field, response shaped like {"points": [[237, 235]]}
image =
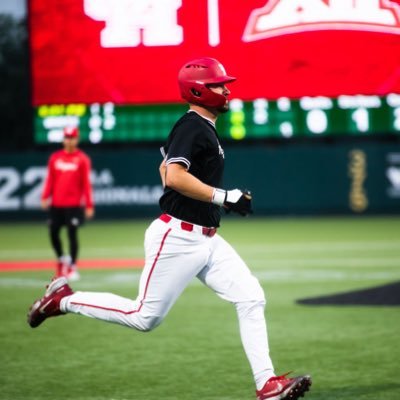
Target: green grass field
{"points": [[351, 352]]}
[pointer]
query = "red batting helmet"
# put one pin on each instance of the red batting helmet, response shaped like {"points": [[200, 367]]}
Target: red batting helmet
{"points": [[71, 132], [194, 77]]}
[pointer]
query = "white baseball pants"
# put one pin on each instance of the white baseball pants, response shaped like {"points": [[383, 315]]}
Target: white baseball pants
{"points": [[173, 257]]}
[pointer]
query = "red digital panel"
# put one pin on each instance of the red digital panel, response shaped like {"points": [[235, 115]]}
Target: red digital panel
{"points": [[129, 51]]}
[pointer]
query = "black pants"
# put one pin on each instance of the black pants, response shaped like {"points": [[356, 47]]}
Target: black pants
{"points": [[72, 218]]}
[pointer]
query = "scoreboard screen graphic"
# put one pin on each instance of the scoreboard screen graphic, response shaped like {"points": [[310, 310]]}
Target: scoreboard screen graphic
{"points": [[304, 67]]}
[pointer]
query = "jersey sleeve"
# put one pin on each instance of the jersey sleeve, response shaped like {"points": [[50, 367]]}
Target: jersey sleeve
{"points": [[87, 185], [49, 182], [183, 145]]}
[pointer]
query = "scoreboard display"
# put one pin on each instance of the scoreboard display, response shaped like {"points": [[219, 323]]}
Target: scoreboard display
{"points": [[261, 118], [304, 67]]}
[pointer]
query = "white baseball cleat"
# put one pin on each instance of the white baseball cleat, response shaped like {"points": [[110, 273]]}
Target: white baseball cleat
{"points": [[72, 274]]}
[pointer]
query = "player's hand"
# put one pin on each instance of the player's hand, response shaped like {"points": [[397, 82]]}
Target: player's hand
{"points": [[89, 213], [238, 201], [45, 204], [234, 200]]}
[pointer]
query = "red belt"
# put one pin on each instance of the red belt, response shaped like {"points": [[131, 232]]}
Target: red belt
{"points": [[186, 226]]}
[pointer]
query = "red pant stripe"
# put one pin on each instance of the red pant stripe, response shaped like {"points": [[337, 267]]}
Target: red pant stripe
{"points": [[145, 290]]}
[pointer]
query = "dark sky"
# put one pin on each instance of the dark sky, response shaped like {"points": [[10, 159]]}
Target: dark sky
{"points": [[14, 7]]}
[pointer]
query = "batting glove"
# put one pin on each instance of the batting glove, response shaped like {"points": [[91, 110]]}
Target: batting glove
{"points": [[233, 200]]}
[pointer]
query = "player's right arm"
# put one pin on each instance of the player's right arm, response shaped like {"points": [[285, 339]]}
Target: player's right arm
{"points": [[48, 185]]}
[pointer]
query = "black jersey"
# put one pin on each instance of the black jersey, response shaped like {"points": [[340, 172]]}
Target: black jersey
{"points": [[193, 142]]}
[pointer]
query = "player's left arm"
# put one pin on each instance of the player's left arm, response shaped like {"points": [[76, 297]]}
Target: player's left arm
{"points": [[87, 188], [184, 144], [178, 178], [163, 170]]}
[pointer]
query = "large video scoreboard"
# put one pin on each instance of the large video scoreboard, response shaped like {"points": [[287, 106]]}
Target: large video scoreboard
{"points": [[304, 67]]}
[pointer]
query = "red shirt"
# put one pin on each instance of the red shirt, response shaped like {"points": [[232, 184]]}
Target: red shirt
{"points": [[68, 180]]}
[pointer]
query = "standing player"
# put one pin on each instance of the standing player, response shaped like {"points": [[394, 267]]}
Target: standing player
{"points": [[66, 189], [183, 244]]}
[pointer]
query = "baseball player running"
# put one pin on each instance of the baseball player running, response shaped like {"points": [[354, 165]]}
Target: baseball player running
{"points": [[67, 188], [183, 242]]}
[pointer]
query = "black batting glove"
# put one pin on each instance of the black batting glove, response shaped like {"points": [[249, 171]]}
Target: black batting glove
{"points": [[233, 200]]}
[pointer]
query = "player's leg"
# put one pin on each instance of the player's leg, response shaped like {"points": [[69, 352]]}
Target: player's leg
{"points": [[55, 240], [167, 271], [72, 270], [72, 232], [74, 219], [227, 274], [56, 221]]}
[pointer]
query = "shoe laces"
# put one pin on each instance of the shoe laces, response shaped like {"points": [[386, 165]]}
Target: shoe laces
{"points": [[281, 377], [52, 279]]}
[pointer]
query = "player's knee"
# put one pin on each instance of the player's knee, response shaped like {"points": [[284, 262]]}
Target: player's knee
{"points": [[252, 304], [149, 323], [251, 308], [257, 294], [253, 301]]}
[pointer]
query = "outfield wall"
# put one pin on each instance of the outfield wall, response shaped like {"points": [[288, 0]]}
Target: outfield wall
{"points": [[285, 179]]}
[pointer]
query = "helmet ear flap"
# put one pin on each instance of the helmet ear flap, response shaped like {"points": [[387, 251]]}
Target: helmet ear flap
{"points": [[195, 92]]}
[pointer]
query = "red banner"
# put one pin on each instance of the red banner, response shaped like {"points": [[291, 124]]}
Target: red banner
{"points": [[129, 51]]}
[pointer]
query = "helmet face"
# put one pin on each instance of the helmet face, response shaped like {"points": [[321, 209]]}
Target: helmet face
{"points": [[194, 77]]}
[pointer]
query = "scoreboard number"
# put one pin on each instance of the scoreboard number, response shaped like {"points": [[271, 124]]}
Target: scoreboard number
{"points": [[361, 118]]}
